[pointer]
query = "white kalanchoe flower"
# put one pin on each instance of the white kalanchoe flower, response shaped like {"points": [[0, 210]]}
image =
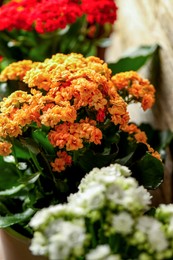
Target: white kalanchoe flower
{"points": [[22, 166], [9, 159], [59, 225], [115, 194], [68, 239], [125, 193], [123, 170], [122, 223], [39, 244], [91, 199], [104, 175], [61, 238], [101, 252], [145, 256], [164, 212], [136, 199], [152, 228], [42, 217]]}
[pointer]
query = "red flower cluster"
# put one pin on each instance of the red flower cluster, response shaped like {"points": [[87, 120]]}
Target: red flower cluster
{"points": [[50, 15], [100, 11]]}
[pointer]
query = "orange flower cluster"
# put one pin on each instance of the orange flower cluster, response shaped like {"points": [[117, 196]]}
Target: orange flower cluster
{"points": [[5, 148], [72, 96], [70, 135], [61, 162], [16, 70], [138, 89], [140, 137]]}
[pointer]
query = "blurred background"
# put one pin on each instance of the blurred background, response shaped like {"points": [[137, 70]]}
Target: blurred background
{"points": [[142, 23]]}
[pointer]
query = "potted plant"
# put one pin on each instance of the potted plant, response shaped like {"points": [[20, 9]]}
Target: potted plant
{"points": [[68, 115]]}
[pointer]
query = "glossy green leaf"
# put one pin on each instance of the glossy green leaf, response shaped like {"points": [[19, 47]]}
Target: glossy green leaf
{"points": [[125, 160], [30, 144], [3, 209], [20, 150], [149, 171], [131, 152], [41, 138], [12, 191], [8, 175], [134, 60], [16, 218], [90, 160], [29, 179]]}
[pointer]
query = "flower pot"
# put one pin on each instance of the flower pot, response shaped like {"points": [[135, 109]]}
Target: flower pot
{"points": [[14, 246]]}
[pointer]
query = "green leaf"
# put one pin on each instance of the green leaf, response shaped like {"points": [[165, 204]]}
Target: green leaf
{"points": [[90, 160], [20, 150], [29, 179], [149, 171], [125, 160], [8, 175], [132, 153], [12, 191], [31, 145], [3, 209], [16, 218], [134, 60], [41, 138], [38, 53]]}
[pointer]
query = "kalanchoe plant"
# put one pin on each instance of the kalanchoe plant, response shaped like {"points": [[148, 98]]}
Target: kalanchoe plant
{"points": [[107, 218], [68, 116], [34, 29]]}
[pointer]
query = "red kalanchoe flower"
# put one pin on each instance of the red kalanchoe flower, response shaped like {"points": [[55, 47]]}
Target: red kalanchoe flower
{"points": [[100, 11], [14, 15], [51, 15], [101, 115]]}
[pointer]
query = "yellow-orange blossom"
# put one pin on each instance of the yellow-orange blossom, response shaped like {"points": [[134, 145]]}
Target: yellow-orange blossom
{"points": [[60, 88]]}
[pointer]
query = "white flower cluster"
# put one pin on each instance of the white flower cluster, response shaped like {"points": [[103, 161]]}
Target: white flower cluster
{"points": [[104, 220], [102, 252], [110, 187]]}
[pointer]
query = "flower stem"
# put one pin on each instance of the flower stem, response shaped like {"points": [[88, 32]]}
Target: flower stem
{"points": [[93, 235], [36, 163]]}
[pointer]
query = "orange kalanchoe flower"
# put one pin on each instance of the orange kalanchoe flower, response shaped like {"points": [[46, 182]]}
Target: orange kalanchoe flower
{"points": [[72, 135], [5, 148], [139, 89], [61, 162], [16, 70], [154, 153], [74, 98], [140, 137]]}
